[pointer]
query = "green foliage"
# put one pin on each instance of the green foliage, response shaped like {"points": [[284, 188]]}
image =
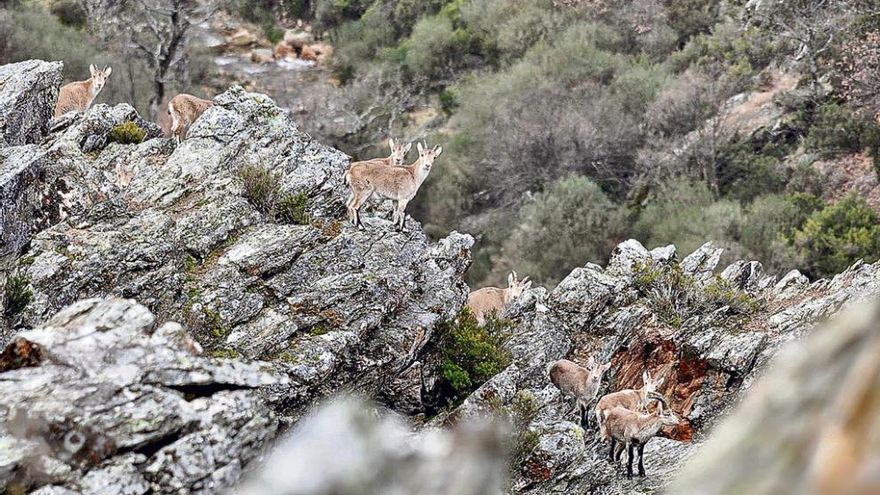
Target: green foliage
{"points": [[433, 47], [69, 12], [687, 214], [215, 323], [448, 101], [224, 353], [470, 353], [16, 295], [127, 133], [292, 208], [572, 222], [674, 295], [836, 130], [523, 410], [260, 187], [746, 171], [720, 292], [833, 238]]}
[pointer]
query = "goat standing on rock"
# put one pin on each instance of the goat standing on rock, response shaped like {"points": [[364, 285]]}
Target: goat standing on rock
{"points": [[633, 430], [80, 95], [578, 382], [483, 301], [634, 400], [184, 110], [399, 184]]}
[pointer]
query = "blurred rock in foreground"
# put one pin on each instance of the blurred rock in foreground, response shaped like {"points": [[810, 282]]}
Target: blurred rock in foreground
{"points": [[811, 426], [345, 449]]}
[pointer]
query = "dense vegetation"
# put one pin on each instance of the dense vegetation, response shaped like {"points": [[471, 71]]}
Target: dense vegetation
{"points": [[569, 126]]}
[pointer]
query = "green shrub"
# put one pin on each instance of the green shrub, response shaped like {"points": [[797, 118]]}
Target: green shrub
{"points": [[127, 133], [720, 292], [292, 208], [687, 214], [433, 47], [836, 130], [69, 12], [260, 187], [16, 295], [470, 353], [571, 223], [224, 353], [833, 238]]}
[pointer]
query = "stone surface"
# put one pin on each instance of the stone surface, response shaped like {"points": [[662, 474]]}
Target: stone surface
{"points": [[101, 399], [28, 91]]}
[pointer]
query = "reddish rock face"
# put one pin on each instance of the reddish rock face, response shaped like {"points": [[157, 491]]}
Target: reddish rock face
{"points": [[653, 350]]}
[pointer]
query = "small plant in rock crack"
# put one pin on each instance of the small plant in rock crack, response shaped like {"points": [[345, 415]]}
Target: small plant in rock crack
{"points": [[17, 295], [262, 189], [127, 133], [522, 411], [292, 209]]}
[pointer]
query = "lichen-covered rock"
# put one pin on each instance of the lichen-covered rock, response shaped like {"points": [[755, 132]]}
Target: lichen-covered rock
{"points": [[707, 356], [175, 229], [103, 399], [28, 91], [809, 426]]}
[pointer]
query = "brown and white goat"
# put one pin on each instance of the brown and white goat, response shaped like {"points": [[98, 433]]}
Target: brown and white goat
{"points": [[483, 301], [634, 400], [80, 95], [399, 184], [632, 430], [578, 382], [184, 110], [396, 158]]}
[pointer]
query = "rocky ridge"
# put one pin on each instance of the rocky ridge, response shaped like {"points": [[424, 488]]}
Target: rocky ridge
{"points": [[323, 308]]}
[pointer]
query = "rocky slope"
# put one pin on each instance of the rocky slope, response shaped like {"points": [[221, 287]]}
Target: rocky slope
{"points": [[322, 308]]}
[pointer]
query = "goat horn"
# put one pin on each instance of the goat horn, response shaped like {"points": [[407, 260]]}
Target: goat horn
{"points": [[656, 396]]}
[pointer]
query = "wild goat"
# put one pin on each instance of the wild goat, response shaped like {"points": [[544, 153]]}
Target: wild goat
{"points": [[399, 184], [397, 156], [80, 95], [184, 110], [633, 430], [578, 382], [483, 301], [634, 400]]}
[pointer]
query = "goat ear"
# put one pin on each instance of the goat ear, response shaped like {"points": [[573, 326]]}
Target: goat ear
{"points": [[527, 285], [407, 147], [606, 366], [437, 150], [92, 69], [420, 148], [391, 143], [511, 278], [659, 382], [591, 363], [646, 377], [107, 71]]}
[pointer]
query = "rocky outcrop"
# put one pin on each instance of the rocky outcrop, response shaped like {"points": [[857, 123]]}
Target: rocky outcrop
{"points": [[28, 91], [174, 229], [103, 399], [716, 341], [809, 426]]}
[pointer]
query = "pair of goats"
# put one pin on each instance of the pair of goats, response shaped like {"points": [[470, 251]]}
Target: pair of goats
{"points": [[622, 416], [79, 96], [389, 178]]}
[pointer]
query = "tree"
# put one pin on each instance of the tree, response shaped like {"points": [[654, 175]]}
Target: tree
{"points": [[159, 36]]}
